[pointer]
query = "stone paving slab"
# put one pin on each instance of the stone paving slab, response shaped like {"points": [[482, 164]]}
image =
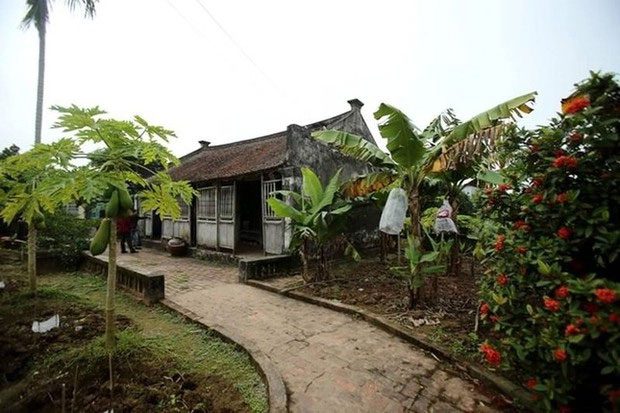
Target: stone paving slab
{"points": [[330, 362]]}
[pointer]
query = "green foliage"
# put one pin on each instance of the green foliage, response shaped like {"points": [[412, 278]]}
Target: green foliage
{"points": [[66, 236], [552, 292], [31, 180], [317, 215], [128, 149]]}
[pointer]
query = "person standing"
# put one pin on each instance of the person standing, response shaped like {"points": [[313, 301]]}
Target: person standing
{"points": [[123, 228]]}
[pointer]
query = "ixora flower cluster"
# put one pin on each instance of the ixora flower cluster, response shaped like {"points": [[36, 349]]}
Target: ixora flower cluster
{"points": [[551, 292]]}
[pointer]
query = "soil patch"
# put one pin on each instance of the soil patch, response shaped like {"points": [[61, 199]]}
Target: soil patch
{"points": [[147, 375]]}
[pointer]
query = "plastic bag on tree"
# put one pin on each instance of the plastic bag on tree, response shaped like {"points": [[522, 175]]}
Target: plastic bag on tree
{"points": [[444, 222], [394, 212]]}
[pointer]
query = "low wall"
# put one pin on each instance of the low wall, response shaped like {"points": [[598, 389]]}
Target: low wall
{"points": [[266, 267], [148, 287]]}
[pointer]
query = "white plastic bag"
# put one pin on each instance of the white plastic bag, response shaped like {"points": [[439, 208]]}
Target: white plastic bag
{"points": [[444, 222], [394, 212]]}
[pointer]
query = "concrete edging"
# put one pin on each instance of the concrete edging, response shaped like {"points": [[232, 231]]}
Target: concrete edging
{"points": [[502, 384], [276, 391]]}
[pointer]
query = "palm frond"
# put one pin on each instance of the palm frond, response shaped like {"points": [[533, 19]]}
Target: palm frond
{"points": [[404, 140], [366, 185], [354, 146], [489, 118]]}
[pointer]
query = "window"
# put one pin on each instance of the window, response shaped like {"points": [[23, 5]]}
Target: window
{"points": [[184, 209], [206, 203], [268, 188], [226, 202], [72, 209]]}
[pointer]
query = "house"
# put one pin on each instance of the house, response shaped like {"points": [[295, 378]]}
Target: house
{"points": [[234, 180]]}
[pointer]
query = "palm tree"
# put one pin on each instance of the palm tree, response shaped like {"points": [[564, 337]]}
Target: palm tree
{"points": [[38, 14], [414, 154]]}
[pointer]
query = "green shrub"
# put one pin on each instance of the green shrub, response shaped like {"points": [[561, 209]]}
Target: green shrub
{"points": [[551, 292], [66, 236]]}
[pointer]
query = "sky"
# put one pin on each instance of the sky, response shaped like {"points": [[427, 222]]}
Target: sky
{"points": [[232, 70]]}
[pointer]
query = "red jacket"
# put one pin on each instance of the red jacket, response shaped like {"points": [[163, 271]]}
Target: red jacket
{"points": [[123, 225]]}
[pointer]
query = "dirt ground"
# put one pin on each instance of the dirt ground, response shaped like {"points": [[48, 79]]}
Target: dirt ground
{"points": [[372, 286], [35, 366]]}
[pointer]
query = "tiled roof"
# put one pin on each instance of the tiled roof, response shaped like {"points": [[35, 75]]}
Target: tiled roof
{"points": [[252, 155], [233, 159]]}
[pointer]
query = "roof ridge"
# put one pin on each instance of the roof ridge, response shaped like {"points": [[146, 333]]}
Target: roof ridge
{"points": [[273, 135]]}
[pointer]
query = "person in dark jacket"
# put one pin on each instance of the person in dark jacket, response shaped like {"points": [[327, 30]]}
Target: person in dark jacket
{"points": [[123, 229]]}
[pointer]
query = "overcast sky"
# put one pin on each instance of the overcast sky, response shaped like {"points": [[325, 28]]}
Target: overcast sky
{"points": [[280, 62]]}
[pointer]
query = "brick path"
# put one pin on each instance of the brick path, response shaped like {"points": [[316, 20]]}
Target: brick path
{"points": [[330, 362]]}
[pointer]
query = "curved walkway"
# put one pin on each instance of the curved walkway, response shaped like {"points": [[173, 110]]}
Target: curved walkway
{"points": [[330, 362]]}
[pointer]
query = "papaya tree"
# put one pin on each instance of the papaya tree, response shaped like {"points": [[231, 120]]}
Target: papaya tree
{"points": [[317, 215], [123, 151], [29, 188], [416, 154]]}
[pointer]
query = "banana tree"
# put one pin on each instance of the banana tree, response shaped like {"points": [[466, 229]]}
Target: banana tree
{"points": [[415, 154], [317, 216]]}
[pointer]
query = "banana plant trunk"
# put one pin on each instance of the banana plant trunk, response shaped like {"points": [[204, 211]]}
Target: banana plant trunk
{"points": [[32, 258], [322, 270], [41, 79], [454, 261], [111, 288], [415, 293], [303, 253]]}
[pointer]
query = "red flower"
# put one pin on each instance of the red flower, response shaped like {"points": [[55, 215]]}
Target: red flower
{"points": [[614, 396], [551, 304], [559, 354], [614, 318], [575, 104], [521, 250], [531, 383], [494, 318], [575, 137], [558, 153], [590, 308], [536, 182], [537, 199], [499, 242], [564, 233], [484, 309], [565, 409], [491, 355], [571, 330], [561, 198], [565, 162], [522, 225], [503, 187], [561, 292], [502, 279], [606, 295]]}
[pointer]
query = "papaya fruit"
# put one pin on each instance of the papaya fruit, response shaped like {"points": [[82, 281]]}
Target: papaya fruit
{"points": [[39, 220], [108, 192], [113, 206], [100, 242], [125, 200]]}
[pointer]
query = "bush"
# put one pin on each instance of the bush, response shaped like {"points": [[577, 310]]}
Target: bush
{"points": [[550, 295], [66, 236]]}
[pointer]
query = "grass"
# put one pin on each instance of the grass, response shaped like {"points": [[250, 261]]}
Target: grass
{"points": [[194, 348]]}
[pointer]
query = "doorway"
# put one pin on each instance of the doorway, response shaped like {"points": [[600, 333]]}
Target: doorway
{"points": [[156, 230], [250, 236]]}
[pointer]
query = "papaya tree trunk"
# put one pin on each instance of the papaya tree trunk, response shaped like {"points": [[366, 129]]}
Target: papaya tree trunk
{"points": [[32, 258], [111, 288]]}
